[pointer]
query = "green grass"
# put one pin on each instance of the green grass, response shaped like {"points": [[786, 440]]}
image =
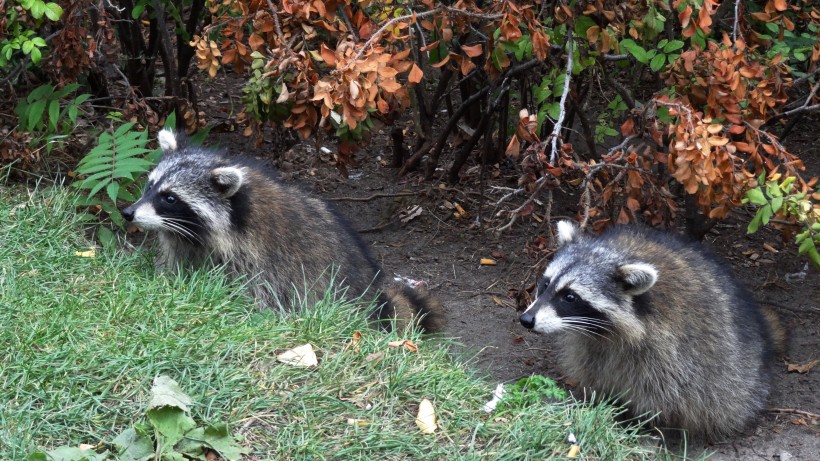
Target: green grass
{"points": [[83, 338]]}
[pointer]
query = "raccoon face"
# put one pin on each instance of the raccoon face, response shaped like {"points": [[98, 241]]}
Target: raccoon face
{"points": [[590, 289], [188, 194]]}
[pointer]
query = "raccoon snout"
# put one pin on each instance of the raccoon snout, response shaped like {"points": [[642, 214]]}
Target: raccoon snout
{"points": [[528, 320], [128, 213]]}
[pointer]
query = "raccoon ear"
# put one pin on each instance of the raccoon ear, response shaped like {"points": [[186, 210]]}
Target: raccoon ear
{"points": [[638, 277], [567, 232], [227, 180], [167, 140]]}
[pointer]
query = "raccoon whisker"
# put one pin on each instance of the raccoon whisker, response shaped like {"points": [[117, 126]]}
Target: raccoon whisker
{"points": [[170, 224]]}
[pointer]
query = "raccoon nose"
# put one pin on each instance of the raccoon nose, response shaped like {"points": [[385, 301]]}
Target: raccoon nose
{"points": [[128, 213], [528, 320]]}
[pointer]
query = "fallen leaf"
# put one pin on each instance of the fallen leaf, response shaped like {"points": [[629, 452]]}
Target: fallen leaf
{"points": [[86, 254], [302, 356], [487, 262], [357, 422], [410, 345], [426, 419], [574, 450], [374, 357], [803, 368]]}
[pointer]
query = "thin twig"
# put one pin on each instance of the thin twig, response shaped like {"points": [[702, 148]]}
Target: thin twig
{"points": [[792, 411], [556, 131], [371, 197], [278, 27]]}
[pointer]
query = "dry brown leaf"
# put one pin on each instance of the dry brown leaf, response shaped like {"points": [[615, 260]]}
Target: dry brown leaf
{"points": [[415, 74], [802, 368], [410, 345], [426, 419]]}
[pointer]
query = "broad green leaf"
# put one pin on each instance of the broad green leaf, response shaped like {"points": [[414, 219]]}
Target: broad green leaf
{"points": [[27, 46], [754, 224], [39, 41], [217, 437], [35, 114], [672, 46], [814, 256], [777, 202], [132, 445], [53, 11], [635, 50], [37, 9], [171, 422], [765, 214], [756, 196], [36, 55], [657, 62], [806, 245]]}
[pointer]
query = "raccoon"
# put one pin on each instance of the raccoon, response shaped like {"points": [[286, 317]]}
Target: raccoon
{"points": [[660, 323], [209, 208]]}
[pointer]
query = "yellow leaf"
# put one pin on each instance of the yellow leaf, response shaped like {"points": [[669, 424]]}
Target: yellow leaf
{"points": [[488, 262], [574, 450], [426, 419], [86, 254]]}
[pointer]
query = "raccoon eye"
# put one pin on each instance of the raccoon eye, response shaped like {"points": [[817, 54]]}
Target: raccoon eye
{"points": [[169, 198], [570, 297]]}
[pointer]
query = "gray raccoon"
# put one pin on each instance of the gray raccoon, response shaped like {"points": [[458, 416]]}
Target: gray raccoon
{"points": [[212, 209], [659, 322]]}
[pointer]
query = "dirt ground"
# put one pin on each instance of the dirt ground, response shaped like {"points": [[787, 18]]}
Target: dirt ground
{"points": [[444, 251]]}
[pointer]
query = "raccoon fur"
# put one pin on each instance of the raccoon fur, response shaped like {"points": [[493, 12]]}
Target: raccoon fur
{"points": [[658, 322], [209, 208]]}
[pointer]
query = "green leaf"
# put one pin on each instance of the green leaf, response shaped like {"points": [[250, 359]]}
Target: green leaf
{"points": [[754, 224], [672, 46], [53, 114], [123, 129], [137, 11], [657, 62], [216, 437], [582, 24], [27, 46], [106, 237], [69, 454], [814, 256], [635, 50], [98, 187], [35, 114], [171, 422], [766, 214], [806, 245], [38, 41], [132, 445], [53, 11], [113, 190], [756, 196], [37, 9], [777, 202], [36, 55]]}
